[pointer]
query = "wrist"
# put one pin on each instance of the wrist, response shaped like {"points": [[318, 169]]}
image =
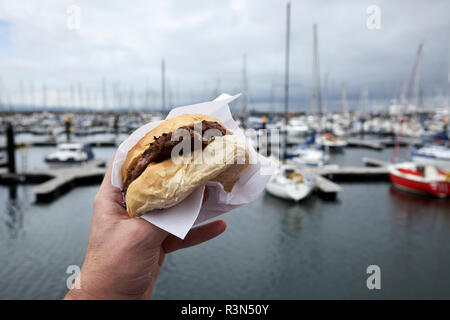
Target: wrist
{"points": [[78, 294], [88, 286]]}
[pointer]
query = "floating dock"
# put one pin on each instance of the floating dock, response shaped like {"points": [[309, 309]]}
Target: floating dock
{"points": [[355, 174], [355, 143], [326, 177], [371, 162], [52, 143], [57, 181], [326, 188]]}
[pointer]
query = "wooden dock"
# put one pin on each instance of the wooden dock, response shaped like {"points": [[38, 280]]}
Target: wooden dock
{"points": [[56, 181]]}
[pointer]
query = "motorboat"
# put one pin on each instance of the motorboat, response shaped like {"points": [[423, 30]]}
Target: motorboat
{"points": [[256, 123], [297, 127], [331, 142], [435, 155], [290, 183], [415, 178], [71, 153], [309, 157]]}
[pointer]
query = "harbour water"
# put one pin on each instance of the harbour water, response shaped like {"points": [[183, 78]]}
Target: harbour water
{"points": [[271, 249]]}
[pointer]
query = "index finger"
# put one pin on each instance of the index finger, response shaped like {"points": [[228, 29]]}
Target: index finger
{"points": [[106, 186]]}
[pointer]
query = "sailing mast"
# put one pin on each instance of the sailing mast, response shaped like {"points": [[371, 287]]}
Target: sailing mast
{"points": [[343, 104], [286, 75], [163, 86], [325, 95], [244, 89], [104, 103], [315, 74], [406, 100]]}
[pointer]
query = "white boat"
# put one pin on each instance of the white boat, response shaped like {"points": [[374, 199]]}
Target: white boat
{"points": [[310, 157], [297, 127], [331, 142], [290, 183], [255, 122], [71, 153], [434, 155]]}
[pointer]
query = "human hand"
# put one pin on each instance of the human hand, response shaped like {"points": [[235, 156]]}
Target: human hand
{"points": [[124, 255]]}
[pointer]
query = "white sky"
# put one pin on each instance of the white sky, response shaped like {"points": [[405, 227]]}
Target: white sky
{"points": [[204, 41]]}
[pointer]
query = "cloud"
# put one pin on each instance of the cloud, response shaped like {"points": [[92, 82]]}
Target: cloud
{"points": [[203, 43]]}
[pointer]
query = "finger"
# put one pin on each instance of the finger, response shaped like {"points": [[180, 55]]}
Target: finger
{"points": [[195, 236], [106, 183], [107, 189]]}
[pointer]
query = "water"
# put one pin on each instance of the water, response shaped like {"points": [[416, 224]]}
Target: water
{"points": [[271, 249]]}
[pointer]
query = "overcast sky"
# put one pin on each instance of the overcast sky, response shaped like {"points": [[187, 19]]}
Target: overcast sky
{"points": [[203, 43]]}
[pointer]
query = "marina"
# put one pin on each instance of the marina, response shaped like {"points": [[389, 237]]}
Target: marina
{"points": [[406, 234]]}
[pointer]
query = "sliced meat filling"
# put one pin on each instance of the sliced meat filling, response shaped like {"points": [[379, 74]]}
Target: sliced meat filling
{"points": [[161, 148]]}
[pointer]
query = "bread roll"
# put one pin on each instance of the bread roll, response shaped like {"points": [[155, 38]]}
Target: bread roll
{"points": [[164, 184], [166, 126]]}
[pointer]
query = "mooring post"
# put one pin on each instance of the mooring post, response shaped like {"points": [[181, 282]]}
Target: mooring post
{"points": [[11, 148], [67, 122], [116, 124]]}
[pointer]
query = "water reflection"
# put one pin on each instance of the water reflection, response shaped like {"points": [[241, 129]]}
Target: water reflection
{"points": [[14, 213], [291, 213], [405, 201], [409, 209]]}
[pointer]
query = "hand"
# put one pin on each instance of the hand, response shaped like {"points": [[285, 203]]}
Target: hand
{"points": [[124, 255]]}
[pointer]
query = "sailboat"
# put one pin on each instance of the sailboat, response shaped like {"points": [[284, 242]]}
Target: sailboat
{"points": [[331, 142], [306, 153], [290, 183], [420, 179], [413, 177], [434, 151]]}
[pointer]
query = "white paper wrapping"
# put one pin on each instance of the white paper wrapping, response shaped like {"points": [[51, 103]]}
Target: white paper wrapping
{"points": [[179, 219]]}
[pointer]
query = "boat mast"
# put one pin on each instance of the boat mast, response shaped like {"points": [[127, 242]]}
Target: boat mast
{"points": [[286, 75], [325, 95], [163, 86], [343, 104], [315, 74], [244, 89], [104, 103], [44, 96], [406, 101]]}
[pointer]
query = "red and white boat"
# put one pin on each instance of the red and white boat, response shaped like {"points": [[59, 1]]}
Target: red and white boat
{"points": [[422, 179]]}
